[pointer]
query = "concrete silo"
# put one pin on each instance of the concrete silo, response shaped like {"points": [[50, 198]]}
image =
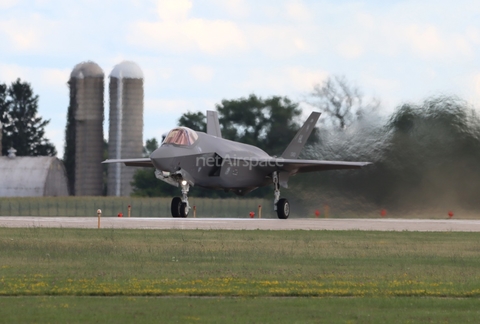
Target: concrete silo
{"points": [[84, 142], [125, 139]]}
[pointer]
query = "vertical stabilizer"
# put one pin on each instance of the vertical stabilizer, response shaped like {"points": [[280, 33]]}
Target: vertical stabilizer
{"points": [[296, 145], [213, 126]]}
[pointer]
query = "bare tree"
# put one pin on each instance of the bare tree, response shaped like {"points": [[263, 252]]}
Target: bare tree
{"points": [[341, 101]]}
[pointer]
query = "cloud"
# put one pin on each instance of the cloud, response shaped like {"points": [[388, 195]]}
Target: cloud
{"points": [[278, 41], [382, 84], [176, 32], [303, 79], [211, 37], [235, 8], [425, 40], [298, 11], [473, 34], [166, 106], [175, 10], [405, 29], [401, 50], [287, 81], [428, 41], [476, 91], [21, 35], [351, 49], [38, 76], [5, 4], [202, 73]]}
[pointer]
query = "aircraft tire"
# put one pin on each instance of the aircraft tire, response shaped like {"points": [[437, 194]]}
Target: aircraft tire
{"points": [[183, 210], [176, 202], [283, 208]]}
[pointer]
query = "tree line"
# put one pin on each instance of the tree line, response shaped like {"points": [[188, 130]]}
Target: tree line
{"points": [[425, 155], [22, 128], [268, 123]]}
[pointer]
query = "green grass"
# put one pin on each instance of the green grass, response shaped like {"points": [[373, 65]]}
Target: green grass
{"points": [[110, 262], [237, 310], [141, 207], [124, 276], [206, 207]]}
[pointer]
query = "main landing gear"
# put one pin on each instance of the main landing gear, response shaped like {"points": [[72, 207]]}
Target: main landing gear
{"points": [[281, 205], [180, 206]]}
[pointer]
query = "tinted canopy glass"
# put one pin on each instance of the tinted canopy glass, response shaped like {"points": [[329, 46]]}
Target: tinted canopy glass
{"points": [[181, 136]]}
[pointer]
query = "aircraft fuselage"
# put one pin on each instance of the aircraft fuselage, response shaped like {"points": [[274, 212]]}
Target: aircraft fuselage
{"points": [[215, 163]]}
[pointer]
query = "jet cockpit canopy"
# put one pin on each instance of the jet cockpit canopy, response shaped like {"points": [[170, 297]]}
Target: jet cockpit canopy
{"points": [[181, 136]]}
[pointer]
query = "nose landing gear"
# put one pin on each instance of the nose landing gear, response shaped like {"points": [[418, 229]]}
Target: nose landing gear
{"points": [[180, 206]]}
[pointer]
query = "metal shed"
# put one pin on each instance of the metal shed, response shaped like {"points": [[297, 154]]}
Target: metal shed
{"points": [[32, 176]]}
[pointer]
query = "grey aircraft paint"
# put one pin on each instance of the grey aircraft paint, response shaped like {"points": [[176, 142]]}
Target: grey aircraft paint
{"points": [[188, 158]]}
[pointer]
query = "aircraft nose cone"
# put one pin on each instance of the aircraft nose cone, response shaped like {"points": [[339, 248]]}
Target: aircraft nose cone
{"points": [[162, 158]]}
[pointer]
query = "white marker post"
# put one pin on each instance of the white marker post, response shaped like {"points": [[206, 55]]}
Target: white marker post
{"points": [[99, 214]]}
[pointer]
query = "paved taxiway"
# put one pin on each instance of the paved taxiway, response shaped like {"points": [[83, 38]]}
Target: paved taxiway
{"points": [[371, 224]]}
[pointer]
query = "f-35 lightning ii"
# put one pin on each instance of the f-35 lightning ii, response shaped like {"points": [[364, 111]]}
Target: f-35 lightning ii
{"points": [[189, 158]]}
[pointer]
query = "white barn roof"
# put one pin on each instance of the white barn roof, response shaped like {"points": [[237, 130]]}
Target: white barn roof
{"points": [[32, 176]]}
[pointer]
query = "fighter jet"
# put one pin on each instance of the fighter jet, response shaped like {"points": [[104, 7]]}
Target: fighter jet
{"points": [[189, 158]]}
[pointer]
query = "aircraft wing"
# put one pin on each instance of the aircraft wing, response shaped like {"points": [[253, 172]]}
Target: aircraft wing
{"points": [[293, 166], [143, 162], [300, 166]]}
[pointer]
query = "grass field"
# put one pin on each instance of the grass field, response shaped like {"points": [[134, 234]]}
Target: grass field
{"points": [[237, 310], [437, 274], [206, 207], [141, 207]]}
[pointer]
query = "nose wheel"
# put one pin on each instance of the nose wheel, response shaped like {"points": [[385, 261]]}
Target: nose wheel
{"points": [[280, 205], [180, 206]]}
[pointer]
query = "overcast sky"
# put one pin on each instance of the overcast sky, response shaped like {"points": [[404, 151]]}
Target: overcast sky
{"points": [[196, 53]]}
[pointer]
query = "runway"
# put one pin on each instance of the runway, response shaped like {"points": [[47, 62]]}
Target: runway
{"points": [[365, 224]]}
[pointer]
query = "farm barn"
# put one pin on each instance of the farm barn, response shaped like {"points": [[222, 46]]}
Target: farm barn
{"points": [[32, 176]]}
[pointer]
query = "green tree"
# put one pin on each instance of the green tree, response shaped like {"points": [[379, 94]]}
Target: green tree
{"points": [[150, 146], [22, 128], [341, 101], [144, 183], [195, 121], [70, 145], [4, 108], [267, 123]]}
